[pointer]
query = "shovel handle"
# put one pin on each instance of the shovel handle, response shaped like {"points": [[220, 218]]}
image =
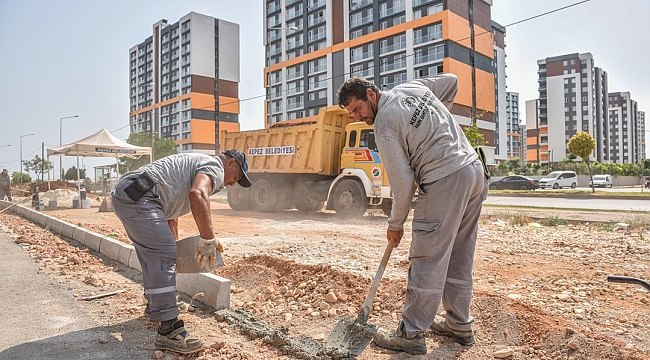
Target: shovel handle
{"points": [[380, 272]]}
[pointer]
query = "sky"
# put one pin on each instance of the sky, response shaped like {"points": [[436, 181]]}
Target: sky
{"points": [[70, 57]]}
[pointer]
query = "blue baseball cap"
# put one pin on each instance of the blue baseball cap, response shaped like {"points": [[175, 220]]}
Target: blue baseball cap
{"points": [[240, 158]]}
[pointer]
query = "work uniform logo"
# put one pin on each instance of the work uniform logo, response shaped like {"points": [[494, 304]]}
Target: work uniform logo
{"points": [[375, 172], [409, 101]]}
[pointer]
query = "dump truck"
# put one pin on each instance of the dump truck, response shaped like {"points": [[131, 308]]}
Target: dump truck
{"points": [[331, 159]]}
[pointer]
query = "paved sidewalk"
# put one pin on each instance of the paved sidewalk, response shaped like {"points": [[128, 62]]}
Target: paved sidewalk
{"points": [[42, 320]]}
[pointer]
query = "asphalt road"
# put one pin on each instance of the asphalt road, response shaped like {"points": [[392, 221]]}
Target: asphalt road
{"points": [[569, 203], [42, 320]]}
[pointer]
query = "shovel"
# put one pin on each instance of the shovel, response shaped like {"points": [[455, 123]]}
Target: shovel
{"points": [[349, 337]]}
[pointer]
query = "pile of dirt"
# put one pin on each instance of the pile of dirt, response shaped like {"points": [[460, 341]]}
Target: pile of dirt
{"points": [[59, 195]]}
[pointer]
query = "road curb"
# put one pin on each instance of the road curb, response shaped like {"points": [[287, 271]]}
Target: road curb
{"points": [[215, 288]]}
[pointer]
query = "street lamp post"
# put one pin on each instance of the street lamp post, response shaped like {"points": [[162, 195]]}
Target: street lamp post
{"points": [[61, 143], [21, 156], [268, 45]]}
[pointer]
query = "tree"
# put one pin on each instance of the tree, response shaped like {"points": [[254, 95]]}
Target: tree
{"points": [[38, 165], [18, 177], [473, 134], [162, 147], [583, 144], [71, 174]]}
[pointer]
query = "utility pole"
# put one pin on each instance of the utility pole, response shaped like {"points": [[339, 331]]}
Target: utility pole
{"points": [[471, 60]]}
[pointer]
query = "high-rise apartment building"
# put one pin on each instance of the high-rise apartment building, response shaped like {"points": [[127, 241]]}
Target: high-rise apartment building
{"points": [[601, 102], [623, 128], [500, 95], [512, 130], [567, 105], [640, 115], [387, 41], [185, 77]]}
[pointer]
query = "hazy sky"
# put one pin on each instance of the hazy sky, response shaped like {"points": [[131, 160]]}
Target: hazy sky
{"points": [[66, 57]]}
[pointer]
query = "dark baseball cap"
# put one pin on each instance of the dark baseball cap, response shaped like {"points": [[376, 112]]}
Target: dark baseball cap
{"points": [[240, 158]]}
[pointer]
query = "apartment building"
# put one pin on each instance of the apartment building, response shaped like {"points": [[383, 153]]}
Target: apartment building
{"points": [[513, 131], [313, 46], [567, 105], [184, 82], [500, 95], [640, 115], [623, 129]]}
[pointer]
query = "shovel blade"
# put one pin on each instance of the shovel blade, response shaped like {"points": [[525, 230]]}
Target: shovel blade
{"points": [[349, 338]]}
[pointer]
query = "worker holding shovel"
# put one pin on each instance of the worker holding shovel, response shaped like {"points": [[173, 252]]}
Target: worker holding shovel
{"points": [[149, 201], [422, 145]]}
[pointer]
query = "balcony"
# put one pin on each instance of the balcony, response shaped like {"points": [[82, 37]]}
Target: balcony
{"points": [[293, 45], [394, 66], [317, 37], [390, 11], [364, 73], [295, 105], [294, 74], [317, 69], [360, 4], [427, 38], [391, 48], [317, 85], [312, 5], [428, 58], [361, 57], [293, 14], [295, 90], [316, 21], [362, 21]]}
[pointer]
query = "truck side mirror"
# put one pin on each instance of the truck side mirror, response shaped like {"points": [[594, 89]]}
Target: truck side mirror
{"points": [[371, 142]]}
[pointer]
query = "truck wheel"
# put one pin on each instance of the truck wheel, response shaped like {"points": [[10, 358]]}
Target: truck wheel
{"points": [[387, 206], [349, 199], [264, 198], [239, 198], [304, 204]]}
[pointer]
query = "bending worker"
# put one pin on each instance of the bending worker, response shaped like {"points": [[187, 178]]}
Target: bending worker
{"points": [[149, 201], [421, 144]]}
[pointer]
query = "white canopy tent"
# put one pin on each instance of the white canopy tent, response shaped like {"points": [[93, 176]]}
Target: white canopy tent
{"points": [[100, 144]]}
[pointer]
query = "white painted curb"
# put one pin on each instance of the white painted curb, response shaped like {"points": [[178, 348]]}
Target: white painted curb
{"points": [[215, 288]]}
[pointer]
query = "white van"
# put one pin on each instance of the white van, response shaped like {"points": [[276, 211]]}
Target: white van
{"points": [[559, 179], [601, 181]]}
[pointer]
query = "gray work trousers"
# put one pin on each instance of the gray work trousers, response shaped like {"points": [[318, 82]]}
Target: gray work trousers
{"points": [[445, 225], [5, 192], [146, 226]]}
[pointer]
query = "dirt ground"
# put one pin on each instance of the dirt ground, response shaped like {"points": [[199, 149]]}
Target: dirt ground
{"points": [[540, 291]]}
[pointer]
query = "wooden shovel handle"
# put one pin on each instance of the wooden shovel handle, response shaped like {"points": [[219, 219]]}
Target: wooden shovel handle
{"points": [[380, 272]]}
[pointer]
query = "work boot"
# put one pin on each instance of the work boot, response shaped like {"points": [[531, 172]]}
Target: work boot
{"points": [[396, 340], [175, 338], [440, 327]]}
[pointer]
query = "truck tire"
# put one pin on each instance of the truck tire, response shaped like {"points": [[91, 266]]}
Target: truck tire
{"points": [[349, 199], [387, 206], [264, 198], [239, 198]]}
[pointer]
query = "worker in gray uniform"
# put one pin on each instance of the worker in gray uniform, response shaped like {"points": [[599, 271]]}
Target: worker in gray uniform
{"points": [[422, 145], [149, 201], [5, 185]]}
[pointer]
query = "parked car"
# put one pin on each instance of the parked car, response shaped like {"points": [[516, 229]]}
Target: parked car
{"points": [[601, 181], [559, 179], [515, 182]]}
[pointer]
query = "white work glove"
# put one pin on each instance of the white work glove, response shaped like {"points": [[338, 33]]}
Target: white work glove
{"points": [[206, 252]]}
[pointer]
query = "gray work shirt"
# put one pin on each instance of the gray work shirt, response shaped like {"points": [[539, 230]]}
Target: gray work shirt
{"points": [[418, 138], [174, 176], [5, 181]]}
